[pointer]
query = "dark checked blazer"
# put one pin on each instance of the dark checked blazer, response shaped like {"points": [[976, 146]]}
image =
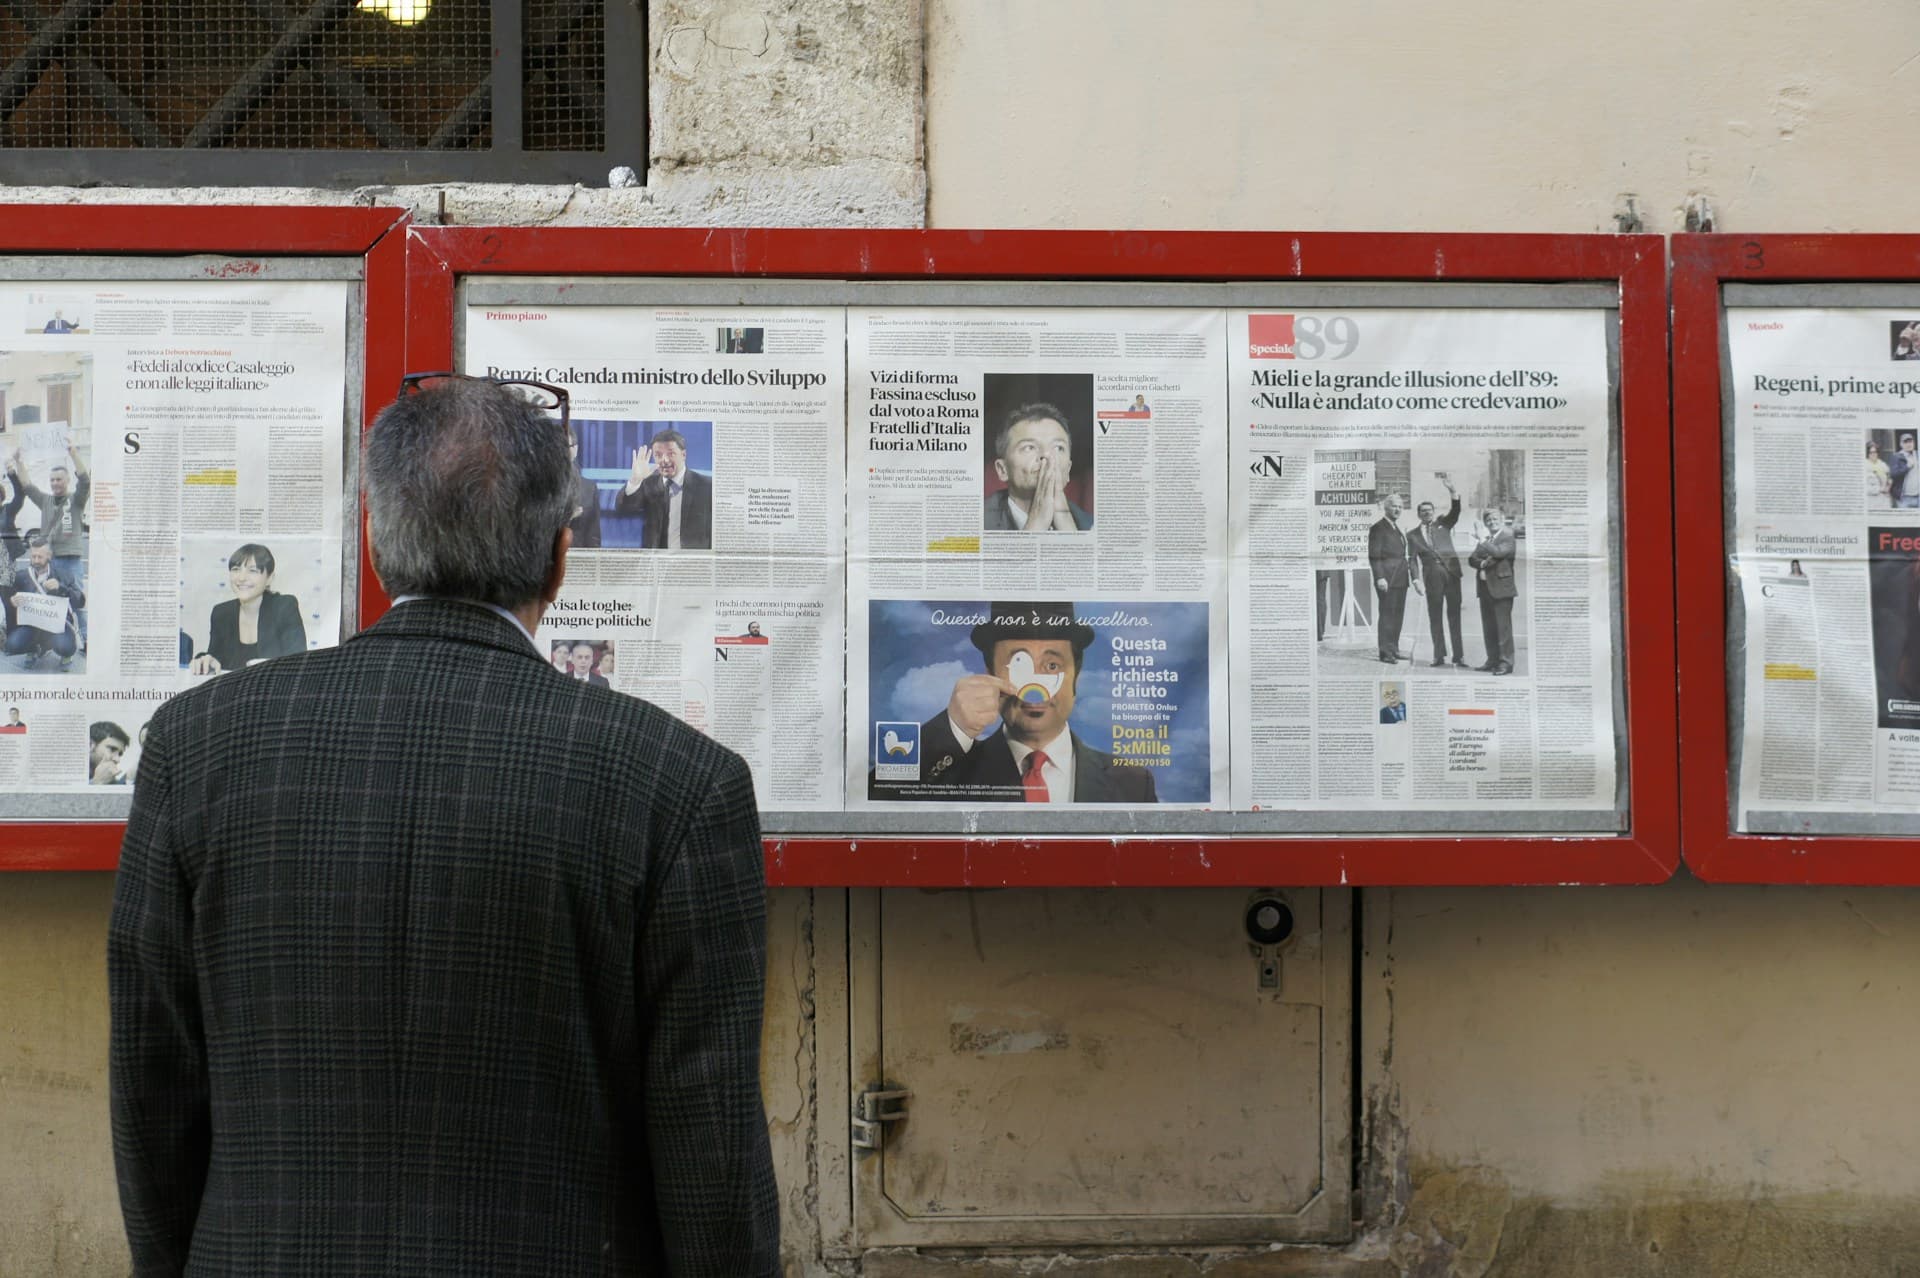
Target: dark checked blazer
{"points": [[406, 981]]}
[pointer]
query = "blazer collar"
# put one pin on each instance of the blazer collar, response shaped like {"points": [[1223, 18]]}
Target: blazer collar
{"points": [[453, 619]]}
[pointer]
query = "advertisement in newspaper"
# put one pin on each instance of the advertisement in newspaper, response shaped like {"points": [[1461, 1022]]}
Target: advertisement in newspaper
{"points": [[1036, 560], [707, 539], [1421, 566], [1826, 551], [171, 497]]}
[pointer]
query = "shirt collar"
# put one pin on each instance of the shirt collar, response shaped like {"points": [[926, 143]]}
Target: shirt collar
{"points": [[518, 624], [1058, 751]]}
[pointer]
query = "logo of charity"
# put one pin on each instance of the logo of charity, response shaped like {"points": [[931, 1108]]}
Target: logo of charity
{"points": [[1270, 337], [1029, 686]]}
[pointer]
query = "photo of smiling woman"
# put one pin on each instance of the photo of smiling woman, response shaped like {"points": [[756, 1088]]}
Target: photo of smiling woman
{"points": [[257, 623]]}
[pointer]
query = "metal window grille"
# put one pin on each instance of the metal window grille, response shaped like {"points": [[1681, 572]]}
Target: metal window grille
{"points": [[319, 92]]}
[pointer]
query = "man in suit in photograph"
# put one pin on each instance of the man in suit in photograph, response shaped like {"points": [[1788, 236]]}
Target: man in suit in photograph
{"points": [[1035, 757], [580, 662], [1392, 575], [1492, 564], [674, 501], [1437, 569], [395, 991]]}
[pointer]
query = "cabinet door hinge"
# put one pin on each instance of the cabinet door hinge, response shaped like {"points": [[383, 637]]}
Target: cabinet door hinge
{"points": [[873, 1109]]}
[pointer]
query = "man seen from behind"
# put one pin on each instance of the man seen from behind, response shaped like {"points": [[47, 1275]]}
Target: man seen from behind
{"points": [[396, 992]]}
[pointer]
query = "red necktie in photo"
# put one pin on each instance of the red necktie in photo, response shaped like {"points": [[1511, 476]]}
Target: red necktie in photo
{"points": [[1031, 781]]}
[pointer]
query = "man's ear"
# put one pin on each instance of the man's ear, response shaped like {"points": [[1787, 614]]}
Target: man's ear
{"points": [[558, 573], [366, 538], [1000, 468]]}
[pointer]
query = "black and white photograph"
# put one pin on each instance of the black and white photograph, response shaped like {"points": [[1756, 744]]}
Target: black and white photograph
{"points": [[1038, 475], [1422, 551]]}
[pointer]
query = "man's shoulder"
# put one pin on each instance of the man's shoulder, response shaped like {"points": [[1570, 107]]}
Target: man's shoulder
{"points": [[691, 757]]}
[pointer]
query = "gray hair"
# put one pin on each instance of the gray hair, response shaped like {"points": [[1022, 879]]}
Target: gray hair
{"points": [[467, 486]]}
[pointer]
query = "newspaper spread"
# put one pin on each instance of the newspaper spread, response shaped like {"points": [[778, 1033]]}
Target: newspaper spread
{"points": [[1826, 552], [170, 505], [1035, 576], [708, 535], [1420, 563]]}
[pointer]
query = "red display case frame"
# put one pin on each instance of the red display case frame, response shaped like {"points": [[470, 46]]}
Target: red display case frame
{"points": [[438, 256], [1701, 265], [237, 233]]}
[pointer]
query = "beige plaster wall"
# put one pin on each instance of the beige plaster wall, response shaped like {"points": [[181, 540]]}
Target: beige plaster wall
{"points": [[1402, 115], [1687, 1079], [59, 1211]]}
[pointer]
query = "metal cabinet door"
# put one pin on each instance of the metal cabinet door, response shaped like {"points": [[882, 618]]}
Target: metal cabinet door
{"points": [[1099, 1066]]}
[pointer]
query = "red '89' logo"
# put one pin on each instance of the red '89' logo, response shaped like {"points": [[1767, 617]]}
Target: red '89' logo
{"points": [[1301, 336], [1270, 337]]}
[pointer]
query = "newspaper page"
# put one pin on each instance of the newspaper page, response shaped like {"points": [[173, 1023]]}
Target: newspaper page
{"points": [[170, 505], [1420, 572], [1826, 553], [708, 535], [1035, 571]]}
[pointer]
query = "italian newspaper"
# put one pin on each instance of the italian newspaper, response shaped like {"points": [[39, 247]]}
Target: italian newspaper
{"points": [[708, 531], [170, 506], [1421, 571], [1035, 577], [1825, 544]]}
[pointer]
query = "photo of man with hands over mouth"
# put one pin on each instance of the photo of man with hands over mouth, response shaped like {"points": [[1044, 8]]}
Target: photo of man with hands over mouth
{"points": [[1033, 454], [1038, 431]]}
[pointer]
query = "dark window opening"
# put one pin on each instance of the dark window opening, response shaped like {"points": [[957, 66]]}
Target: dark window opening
{"points": [[319, 91]]}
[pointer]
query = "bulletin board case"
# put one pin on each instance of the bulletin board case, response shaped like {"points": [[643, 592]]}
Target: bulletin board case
{"points": [[224, 242], [1710, 274], [1632, 271]]}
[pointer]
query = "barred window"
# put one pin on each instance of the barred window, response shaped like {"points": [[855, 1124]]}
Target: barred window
{"points": [[320, 92]]}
